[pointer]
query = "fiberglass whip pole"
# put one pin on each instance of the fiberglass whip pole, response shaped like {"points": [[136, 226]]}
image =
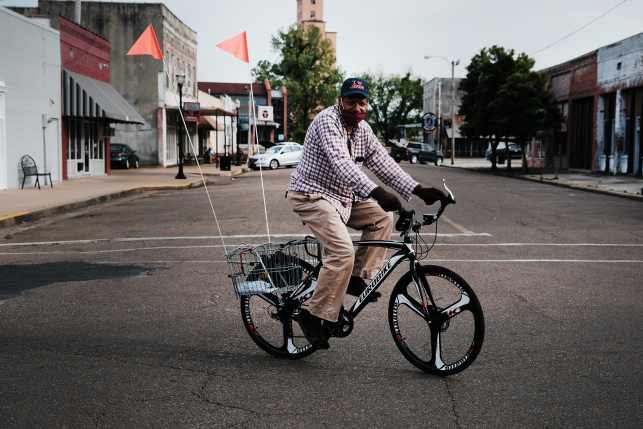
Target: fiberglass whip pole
{"points": [[194, 154]]}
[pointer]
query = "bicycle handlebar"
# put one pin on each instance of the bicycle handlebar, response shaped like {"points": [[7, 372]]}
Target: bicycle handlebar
{"points": [[406, 223]]}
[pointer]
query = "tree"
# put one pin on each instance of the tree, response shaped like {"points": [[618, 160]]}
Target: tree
{"points": [[307, 69], [486, 73], [394, 100], [524, 106]]}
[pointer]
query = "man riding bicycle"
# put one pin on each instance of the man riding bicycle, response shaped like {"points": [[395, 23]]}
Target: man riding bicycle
{"points": [[330, 192]]}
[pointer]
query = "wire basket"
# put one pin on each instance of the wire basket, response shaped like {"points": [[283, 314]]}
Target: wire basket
{"points": [[272, 267]]}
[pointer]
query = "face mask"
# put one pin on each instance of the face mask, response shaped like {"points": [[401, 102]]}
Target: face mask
{"points": [[352, 118]]}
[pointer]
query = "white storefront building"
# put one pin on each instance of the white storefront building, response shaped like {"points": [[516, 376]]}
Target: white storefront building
{"points": [[30, 94]]}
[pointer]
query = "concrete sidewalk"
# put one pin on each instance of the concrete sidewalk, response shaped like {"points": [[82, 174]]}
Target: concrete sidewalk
{"points": [[22, 205], [607, 184]]}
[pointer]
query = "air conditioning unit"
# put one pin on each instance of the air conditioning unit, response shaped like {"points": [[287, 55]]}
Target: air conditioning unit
{"points": [[107, 132]]}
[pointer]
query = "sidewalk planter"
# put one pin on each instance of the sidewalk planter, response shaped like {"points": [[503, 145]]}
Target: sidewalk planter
{"points": [[623, 166], [601, 163]]}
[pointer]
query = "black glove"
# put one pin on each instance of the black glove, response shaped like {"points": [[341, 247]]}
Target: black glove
{"points": [[428, 195], [389, 202]]}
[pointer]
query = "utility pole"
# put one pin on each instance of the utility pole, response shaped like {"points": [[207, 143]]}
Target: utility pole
{"points": [[439, 118], [453, 64]]}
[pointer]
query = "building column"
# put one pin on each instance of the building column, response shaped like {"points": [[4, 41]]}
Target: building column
{"points": [[4, 168], [160, 124]]}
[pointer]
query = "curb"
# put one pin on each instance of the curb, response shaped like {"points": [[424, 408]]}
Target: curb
{"points": [[562, 185], [578, 188], [20, 217]]}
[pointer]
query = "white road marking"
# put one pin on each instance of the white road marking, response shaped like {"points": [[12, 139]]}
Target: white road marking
{"points": [[583, 261], [213, 237], [219, 245], [142, 239]]}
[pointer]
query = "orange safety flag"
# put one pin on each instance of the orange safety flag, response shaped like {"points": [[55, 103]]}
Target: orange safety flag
{"points": [[237, 46], [147, 45]]}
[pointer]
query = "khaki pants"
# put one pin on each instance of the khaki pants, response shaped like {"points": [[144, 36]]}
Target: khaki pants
{"points": [[340, 259]]}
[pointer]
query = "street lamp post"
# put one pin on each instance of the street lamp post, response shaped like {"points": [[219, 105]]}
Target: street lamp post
{"points": [[237, 104], [453, 64], [180, 80]]}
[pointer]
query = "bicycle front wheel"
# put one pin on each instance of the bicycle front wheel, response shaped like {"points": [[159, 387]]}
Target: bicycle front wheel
{"points": [[443, 339]]}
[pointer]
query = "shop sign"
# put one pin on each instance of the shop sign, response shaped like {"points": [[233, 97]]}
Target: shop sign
{"points": [[264, 113], [191, 112], [429, 122]]}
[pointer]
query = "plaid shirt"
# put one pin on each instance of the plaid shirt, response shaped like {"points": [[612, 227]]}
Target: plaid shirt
{"points": [[329, 169]]}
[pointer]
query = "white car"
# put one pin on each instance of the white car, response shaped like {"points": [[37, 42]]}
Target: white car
{"points": [[286, 154]]}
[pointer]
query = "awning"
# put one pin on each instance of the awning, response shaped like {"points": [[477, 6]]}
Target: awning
{"points": [[276, 94], [87, 97], [210, 122]]}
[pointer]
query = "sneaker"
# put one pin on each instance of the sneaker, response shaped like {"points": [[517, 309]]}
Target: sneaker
{"points": [[357, 286], [313, 329]]}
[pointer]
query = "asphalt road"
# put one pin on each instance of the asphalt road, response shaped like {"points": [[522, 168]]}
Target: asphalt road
{"points": [[97, 331]]}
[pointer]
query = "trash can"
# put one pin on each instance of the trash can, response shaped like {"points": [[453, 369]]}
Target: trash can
{"points": [[226, 162]]}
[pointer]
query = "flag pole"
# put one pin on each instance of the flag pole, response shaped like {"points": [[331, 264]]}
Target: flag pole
{"points": [[187, 133], [256, 139]]}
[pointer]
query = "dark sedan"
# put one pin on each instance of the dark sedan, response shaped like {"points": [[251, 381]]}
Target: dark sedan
{"points": [[121, 155], [501, 152]]}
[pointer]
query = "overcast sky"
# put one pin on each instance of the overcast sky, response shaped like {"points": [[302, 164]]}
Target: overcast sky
{"points": [[396, 35]]}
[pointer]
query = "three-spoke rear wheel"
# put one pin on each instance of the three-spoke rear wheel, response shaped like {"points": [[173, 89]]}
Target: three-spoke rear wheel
{"points": [[270, 324], [273, 328], [444, 339]]}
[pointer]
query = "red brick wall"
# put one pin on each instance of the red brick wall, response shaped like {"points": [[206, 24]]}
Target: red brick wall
{"points": [[91, 53], [575, 79]]}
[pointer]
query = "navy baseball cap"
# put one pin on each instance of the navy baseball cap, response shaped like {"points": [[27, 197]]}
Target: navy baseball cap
{"points": [[354, 85]]}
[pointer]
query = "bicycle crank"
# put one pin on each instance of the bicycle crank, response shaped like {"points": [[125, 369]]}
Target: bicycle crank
{"points": [[343, 327]]}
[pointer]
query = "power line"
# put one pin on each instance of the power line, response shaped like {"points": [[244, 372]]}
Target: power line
{"points": [[571, 34]]}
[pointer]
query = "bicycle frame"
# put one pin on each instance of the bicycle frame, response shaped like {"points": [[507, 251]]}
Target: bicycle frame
{"points": [[407, 225], [406, 251]]}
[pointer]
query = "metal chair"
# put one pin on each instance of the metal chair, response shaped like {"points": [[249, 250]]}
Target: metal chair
{"points": [[29, 168]]}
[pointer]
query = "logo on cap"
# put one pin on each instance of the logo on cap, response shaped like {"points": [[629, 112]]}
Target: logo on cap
{"points": [[357, 85]]}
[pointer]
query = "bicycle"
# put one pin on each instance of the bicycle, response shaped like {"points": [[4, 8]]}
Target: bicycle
{"points": [[441, 339]]}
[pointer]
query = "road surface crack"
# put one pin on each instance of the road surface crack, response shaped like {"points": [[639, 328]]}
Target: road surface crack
{"points": [[540, 311], [453, 404], [235, 407]]}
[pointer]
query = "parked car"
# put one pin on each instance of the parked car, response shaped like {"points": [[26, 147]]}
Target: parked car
{"points": [[287, 154], [501, 152], [417, 152], [122, 155]]}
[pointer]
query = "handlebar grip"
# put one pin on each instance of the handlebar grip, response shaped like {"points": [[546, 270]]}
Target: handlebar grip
{"points": [[405, 219]]}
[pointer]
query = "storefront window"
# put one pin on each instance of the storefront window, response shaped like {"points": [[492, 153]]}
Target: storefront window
{"points": [[85, 152], [170, 140]]}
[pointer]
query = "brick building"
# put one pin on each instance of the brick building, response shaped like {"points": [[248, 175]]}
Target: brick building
{"points": [[311, 12], [90, 105], [438, 99], [140, 79], [264, 95], [601, 97]]}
